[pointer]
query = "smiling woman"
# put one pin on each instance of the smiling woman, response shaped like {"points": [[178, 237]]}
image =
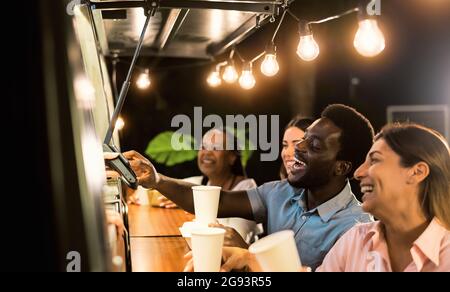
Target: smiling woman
{"points": [[405, 180], [427, 161]]}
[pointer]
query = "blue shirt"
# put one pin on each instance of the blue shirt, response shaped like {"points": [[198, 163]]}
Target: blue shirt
{"points": [[281, 206]]}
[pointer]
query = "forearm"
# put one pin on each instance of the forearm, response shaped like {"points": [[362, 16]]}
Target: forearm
{"points": [[177, 190], [231, 204]]}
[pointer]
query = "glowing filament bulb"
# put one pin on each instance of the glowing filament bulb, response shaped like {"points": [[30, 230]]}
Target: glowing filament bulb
{"points": [[247, 80], [269, 66], [369, 40], [143, 81], [308, 49], [214, 79], [229, 74]]}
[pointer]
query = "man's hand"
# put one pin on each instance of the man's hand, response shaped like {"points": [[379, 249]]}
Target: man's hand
{"points": [[232, 238], [145, 171], [233, 258]]}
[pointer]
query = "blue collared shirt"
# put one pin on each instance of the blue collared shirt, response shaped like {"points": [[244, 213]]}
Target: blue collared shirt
{"points": [[280, 206]]}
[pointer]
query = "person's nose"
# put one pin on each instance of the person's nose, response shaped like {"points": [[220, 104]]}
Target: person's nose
{"points": [[290, 151], [361, 172]]}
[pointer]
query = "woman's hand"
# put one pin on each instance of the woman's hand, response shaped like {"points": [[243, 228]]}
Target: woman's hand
{"points": [[232, 238]]}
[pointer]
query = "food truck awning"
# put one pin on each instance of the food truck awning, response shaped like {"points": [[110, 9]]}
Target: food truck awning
{"points": [[180, 28]]}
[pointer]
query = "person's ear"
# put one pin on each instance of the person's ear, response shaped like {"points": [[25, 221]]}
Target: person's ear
{"points": [[418, 173], [343, 168]]}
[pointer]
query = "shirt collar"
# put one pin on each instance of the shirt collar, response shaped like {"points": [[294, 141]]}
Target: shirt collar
{"points": [[330, 207], [374, 234], [429, 242]]}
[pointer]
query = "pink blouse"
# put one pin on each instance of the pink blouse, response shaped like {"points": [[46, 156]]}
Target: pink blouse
{"points": [[363, 249]]}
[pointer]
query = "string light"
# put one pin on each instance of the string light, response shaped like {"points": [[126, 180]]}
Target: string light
{"points": [[247, 80], [214, 79], [269, 66], [143, 82], [230, 74], [307, 49], [369, 42]]}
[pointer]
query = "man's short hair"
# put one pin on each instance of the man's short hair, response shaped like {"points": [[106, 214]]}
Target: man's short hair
{"points": [[357, 133]]}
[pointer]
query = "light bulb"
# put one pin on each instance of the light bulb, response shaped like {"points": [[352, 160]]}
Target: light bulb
{"points": [[214, 79], [247, 81], [120, 124], [369, 40], [269, 66], [143, 81], [308, 49], [229, 74]]}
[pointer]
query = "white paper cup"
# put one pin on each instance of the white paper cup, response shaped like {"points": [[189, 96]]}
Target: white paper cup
{"points": [[142, 194], [207, 243], [277, 252], [206, 204]]}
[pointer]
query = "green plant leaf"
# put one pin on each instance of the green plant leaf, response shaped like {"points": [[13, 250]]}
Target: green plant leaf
{"points": [[162, 151]]}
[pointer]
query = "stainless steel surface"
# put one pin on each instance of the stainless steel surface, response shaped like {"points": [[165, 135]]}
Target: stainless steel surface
{"points": [[184, 28]]}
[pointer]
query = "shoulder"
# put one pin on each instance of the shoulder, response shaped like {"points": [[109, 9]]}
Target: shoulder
{"points": [[357, 233], [278, 186], [194, 179], [272, 190], [445, 250], [245, 184], [355, 214]]}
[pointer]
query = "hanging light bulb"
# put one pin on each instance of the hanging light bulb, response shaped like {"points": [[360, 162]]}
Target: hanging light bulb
{"points": [[119, 124], [307, 49], [247, 80], [229, 74], [269, 66], [214, 79], [143, 82], [369, 40]]}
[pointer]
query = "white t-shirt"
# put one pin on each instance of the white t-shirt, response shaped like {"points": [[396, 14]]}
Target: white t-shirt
{"points": [[248, 229]]}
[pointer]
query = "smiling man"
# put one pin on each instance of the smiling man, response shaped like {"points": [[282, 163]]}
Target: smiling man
{"points": [[316, 200]]}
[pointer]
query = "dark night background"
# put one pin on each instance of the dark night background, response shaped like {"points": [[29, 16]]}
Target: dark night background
{"points": [[414, 69]]}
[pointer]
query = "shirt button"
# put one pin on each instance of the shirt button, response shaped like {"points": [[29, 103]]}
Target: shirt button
{"points": [[304, 217]]}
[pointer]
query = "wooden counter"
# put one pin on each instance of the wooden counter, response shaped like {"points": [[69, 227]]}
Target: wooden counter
{"points": [[158, 254], [154, 221], [156, 242]]}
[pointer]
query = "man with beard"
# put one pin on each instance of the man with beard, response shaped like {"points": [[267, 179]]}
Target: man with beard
{"points": [[315, 201]]}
